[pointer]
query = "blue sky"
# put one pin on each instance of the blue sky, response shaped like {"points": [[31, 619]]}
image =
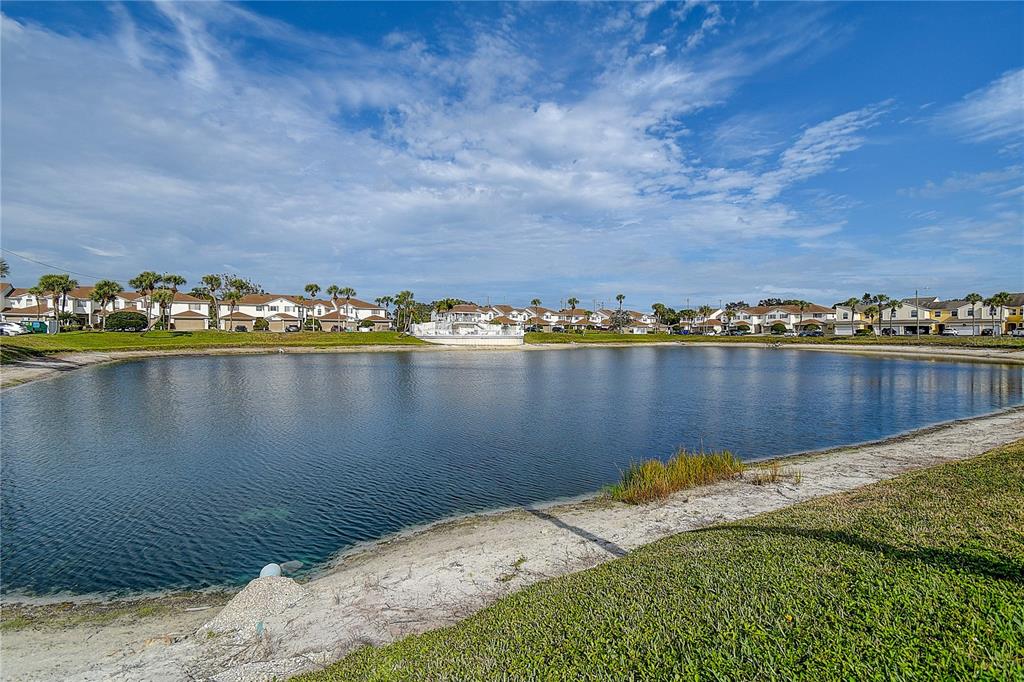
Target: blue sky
{"points": [[670, 152]]}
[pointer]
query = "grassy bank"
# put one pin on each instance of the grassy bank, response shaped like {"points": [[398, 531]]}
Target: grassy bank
{"points": [[921, 577], [610, 337], [13, 348]]}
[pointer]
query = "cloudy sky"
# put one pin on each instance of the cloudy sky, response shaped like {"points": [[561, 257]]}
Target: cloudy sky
{"points": [[671, 152]]}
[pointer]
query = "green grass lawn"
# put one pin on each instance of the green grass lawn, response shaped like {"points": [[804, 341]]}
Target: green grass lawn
{"points": [[921, 577], [611, 337], [13, 348], [18, 347]]}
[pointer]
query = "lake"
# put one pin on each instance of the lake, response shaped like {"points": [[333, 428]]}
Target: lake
{"points": [[196, 471]]}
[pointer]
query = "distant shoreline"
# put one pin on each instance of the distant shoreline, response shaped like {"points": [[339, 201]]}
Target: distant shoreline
{"points": [[23, 372]]}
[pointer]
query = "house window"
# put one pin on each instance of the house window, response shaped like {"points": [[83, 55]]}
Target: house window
{"points": [[259, 309], [938, 314], [195, 306], [273, 308], [892, 313], [846, 316], [954, 313], [970, 313], [913, 313]]}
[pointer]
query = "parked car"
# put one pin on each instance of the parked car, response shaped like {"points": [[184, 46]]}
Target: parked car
{"points": [[889, 331], [812, 332], [949, 332], [1019, 331], [789, 332], [533, 328], [986, 332], [241, 328], [292, 328], [556, 328], [12, 329]]}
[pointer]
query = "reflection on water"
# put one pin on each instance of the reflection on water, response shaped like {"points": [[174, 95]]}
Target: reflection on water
{"points": [[185, 472]]}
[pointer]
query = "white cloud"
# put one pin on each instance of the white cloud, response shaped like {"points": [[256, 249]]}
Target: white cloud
{"points": [[396, 165], [985, 181], [992, 113]]}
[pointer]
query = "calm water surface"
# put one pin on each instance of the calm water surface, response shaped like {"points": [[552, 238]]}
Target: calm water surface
{"points": [[189, 472]]}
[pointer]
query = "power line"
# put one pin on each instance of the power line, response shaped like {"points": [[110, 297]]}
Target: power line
{"points": [[57, 267]]}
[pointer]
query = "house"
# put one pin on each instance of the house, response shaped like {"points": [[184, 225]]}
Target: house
{"points": [[279, 310], [1014, 313], [187, 313]]}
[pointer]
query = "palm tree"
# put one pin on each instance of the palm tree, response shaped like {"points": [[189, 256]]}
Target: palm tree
{"points": [[1000, 301], [347, 293], [213, 284], [332, 291], [104, 292], [535, 302], [852, 304], [56, 287], [620, 298], [892, 306], [4, 268], [802, 305], [404, 304], [729, 315], [880, 300], [974, 299], [171, 282], [39, 294], [573, 302], [231, 297], [385, 302], [145, 283], [704, 312], [164, 298]]}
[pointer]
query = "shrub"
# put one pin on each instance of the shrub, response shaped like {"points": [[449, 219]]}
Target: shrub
{"points": [[366, 324], [125, 321], [312, 324], [260, 325], [654, 480]]}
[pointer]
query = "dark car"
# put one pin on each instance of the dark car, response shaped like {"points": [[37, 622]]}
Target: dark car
{"points": [[241, 328], [812, 332], [533, 328], [889, 331], [558, 329], [986, 332], [292, 328]]}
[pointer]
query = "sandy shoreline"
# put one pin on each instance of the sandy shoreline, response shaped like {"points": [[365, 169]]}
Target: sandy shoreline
{"points": [[434, 576], [27, 371]]}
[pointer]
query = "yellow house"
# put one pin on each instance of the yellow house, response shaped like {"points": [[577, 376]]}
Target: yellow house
{"points": [[1014, 312]]}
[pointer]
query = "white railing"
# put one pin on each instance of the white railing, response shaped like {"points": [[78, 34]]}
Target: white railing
{"points": [[466, 329]]}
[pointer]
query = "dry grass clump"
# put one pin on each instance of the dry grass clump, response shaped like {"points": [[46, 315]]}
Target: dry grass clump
{"points": [[654, 480], [773, 472]]}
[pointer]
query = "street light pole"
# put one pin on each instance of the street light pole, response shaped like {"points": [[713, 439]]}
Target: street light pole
{"points": [[917, 306]]}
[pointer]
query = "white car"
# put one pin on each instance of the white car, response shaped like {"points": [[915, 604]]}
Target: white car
{"points": [[1019, 331], [12, 329], [950, 332]]}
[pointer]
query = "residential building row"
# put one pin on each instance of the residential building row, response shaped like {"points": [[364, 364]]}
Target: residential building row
{"points": [[909, 316], [189, 313]]}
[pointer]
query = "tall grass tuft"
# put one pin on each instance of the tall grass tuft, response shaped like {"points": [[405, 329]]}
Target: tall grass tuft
{"points": [[653, 479]]}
